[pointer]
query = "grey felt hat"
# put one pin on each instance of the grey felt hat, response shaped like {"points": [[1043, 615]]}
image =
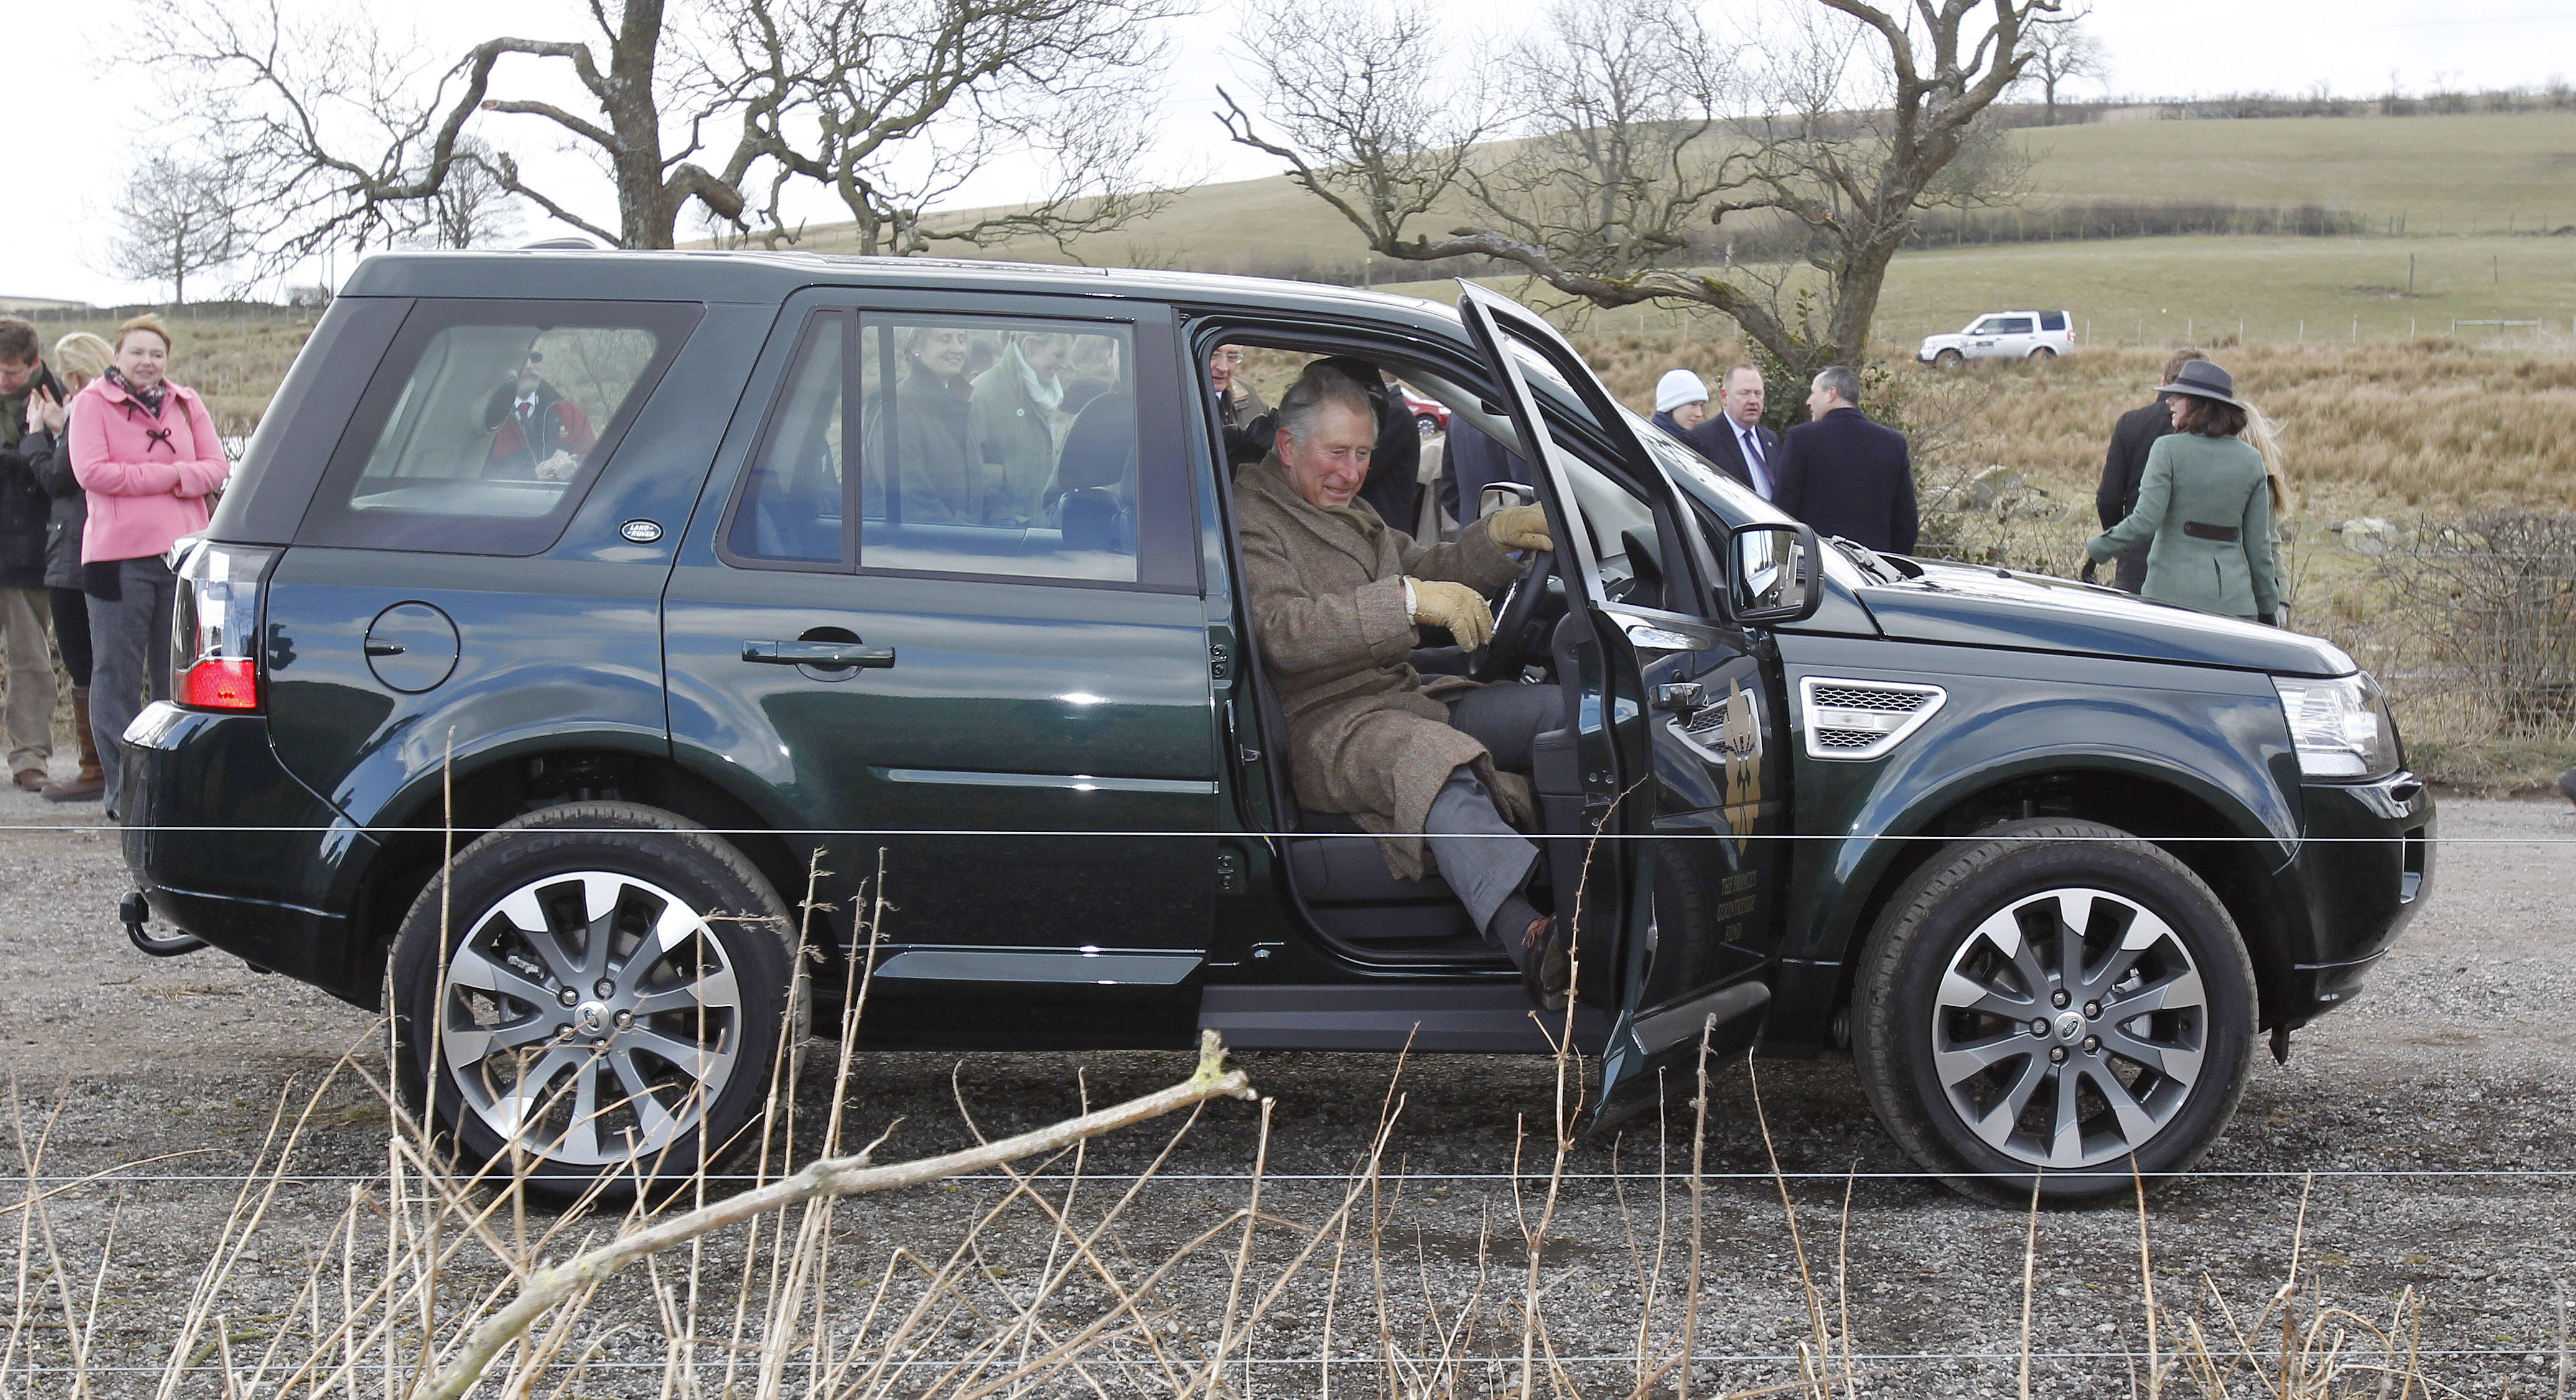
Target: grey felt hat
{"points": [[2204, 380]]}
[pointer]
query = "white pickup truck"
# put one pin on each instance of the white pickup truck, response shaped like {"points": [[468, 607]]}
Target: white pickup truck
{"points": [[2003, 335]]}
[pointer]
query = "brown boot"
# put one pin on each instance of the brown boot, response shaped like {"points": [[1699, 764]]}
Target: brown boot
{"points": [[91, 783]]}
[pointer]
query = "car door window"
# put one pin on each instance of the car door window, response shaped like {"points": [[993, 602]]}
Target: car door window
{"points": [[998, 447], [2018, 325], [790, 508], [1991, 325]]}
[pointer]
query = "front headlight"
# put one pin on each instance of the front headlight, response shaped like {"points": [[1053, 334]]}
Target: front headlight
{"points": [[2341, 726]]}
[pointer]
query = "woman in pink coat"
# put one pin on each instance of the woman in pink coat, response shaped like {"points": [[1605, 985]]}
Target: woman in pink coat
{"points": [[144, 451]]}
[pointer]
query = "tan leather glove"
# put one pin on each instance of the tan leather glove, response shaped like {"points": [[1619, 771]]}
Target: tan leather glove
{"points": [[1454, 606], [1520, 527]]}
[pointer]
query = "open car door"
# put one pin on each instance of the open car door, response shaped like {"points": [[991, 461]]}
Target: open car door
{"points": [[1682, 748]]}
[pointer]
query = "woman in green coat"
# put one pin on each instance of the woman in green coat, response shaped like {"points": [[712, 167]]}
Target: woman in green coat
{"points": [[2205, 506]]}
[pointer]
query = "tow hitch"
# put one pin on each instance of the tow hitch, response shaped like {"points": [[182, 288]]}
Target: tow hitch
{"points": [[136, 911]]}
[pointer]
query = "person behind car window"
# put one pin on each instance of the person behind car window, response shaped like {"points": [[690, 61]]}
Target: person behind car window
{"points": [[1734, 437], [2125, 465], [2205, 505], [1243, 420], [1018, 408], [1335, 594], [937, 475], [537, 433], [1096, 369], [80, 359], [1846, 475], [1681, 401], [146, 452]]}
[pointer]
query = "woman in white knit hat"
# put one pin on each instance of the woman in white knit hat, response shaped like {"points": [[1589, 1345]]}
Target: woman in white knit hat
{"points": [[1681, 401]]}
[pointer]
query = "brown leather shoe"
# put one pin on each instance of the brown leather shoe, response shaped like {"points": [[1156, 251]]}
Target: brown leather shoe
{"points": [[83, 787], [32, 779], [1547, 965]]}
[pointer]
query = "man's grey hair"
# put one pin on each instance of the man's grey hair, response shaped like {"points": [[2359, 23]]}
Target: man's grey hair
{"points": [[1843, 380], [1303, 405]]}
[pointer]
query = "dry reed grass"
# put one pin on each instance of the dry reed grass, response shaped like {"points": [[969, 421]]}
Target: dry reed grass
{"points": [[431, 1286]]}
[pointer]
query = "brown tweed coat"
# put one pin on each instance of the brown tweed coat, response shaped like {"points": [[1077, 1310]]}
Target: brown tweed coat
{"points": [[1367, 735]]}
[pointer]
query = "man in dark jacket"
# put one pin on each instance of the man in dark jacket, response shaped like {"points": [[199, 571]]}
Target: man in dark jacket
{"points": [[1846, 475], [1734, 437], [1471, 462], [24, 509], [2126, 464]]}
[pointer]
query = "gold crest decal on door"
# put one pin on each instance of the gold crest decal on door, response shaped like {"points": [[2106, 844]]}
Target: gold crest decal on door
{"points": [[1742, 746]]}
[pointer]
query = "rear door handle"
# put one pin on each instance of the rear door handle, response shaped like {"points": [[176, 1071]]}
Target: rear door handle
{"points": [[826, 654]]}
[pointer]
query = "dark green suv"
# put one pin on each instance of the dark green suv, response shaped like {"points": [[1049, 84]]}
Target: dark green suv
{"points": [[650, 574]]}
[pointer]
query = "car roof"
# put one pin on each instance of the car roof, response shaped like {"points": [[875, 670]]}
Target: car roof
{"points": [[560, 274]]}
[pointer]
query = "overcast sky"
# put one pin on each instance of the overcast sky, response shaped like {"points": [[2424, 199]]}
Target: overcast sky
{"points": [[82, 120]]}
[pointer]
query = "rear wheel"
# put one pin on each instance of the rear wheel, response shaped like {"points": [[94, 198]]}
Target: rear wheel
{"points": [[2043, 354], [612, 989], [1948, 359], [2060, 996]]}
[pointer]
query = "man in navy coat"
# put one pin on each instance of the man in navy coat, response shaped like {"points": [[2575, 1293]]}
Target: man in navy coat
{"points": [[1846, 475], [1734, 437]]}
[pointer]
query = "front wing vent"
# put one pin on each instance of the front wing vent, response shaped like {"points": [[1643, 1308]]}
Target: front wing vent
{"points": [[1856, 719]]}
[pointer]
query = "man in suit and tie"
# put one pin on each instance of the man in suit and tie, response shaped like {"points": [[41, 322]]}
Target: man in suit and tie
{"points": [[1846, 475], [1735, 439]]}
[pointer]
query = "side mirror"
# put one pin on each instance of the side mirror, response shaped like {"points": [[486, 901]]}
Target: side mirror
{"points": [[1502, 495], [1772, 574]]}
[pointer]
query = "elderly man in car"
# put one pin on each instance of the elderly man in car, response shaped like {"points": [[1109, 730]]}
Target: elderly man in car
{"points": [[1426, 762]]}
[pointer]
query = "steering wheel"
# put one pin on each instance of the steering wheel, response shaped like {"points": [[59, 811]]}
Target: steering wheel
{"points": [[1501, 658]]}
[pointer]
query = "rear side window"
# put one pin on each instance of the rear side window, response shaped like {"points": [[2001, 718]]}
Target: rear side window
{"points": [[2052, 320], [487, 422], [2015, 325]]}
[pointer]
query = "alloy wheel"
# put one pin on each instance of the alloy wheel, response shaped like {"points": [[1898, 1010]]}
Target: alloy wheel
{"points": [[2070, 1027], [590, 1018]]}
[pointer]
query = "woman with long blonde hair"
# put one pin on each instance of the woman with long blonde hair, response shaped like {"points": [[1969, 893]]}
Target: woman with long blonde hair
{"points": [[80, 359]]}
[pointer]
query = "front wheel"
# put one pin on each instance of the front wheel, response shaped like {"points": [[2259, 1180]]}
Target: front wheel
{"points": [[611, 989], [1949, 359], [2057, 997]]}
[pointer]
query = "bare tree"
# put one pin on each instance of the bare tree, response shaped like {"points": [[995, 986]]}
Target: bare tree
{"points": [[347, 139], [351, 139], [175, 218], [892, 104], [1851, 122], [2061, 53], [472, 207]]}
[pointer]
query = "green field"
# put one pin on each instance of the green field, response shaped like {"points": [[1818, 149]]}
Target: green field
{"points": [[2159, 291]]}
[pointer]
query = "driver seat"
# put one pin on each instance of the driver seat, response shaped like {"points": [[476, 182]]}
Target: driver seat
{"points": [[1335, 864]]}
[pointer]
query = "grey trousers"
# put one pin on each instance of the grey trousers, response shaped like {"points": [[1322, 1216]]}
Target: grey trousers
{"points": [[1486, 862], [130, 656], [30, 710]]}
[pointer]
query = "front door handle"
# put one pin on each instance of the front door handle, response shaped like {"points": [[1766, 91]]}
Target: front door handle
{"points": [[824, 654]]}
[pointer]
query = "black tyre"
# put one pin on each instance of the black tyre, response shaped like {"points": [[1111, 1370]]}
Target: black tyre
{"points": [[1949, 359], [2058, 996], [609, 999], [2042, 355]]}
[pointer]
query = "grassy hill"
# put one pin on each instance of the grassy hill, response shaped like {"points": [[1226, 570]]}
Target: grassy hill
{"points": [[2443, 174]]}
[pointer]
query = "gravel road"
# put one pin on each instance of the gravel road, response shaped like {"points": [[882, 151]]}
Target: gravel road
{"points": [[2439, 1112]]}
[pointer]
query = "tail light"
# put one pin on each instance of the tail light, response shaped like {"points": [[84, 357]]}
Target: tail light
{"points": [[214, 630]]}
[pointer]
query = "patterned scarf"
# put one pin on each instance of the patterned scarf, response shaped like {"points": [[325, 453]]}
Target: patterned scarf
{"points": [[151, 399]]}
